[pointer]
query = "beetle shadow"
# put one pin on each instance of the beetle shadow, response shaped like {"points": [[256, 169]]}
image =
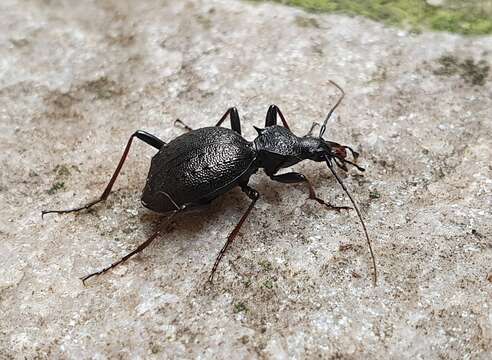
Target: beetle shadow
{"points": [[196, 220], [188, 225]]}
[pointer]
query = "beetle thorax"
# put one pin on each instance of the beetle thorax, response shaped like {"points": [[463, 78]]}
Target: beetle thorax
{"points": [[277, 140], [278, 147]]}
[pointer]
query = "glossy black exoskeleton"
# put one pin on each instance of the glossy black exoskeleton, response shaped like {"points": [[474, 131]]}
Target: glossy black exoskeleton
{"points": [[200, 165]]}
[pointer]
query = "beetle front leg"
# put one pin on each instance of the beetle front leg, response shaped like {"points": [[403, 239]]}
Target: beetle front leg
{"points": [[141, 135], [293, 177]]}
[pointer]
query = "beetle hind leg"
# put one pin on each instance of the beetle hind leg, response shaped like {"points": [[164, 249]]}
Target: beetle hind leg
{"points": [[141, 135]]}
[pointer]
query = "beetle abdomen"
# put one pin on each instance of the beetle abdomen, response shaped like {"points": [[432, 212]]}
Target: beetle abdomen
{"points": [[196, 167]]}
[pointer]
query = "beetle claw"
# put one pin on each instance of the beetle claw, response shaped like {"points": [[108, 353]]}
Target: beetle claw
{"points": [[337, 208], [328, 206]]}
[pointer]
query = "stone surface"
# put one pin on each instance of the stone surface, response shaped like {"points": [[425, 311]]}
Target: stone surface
{"points": [[77, 78]]}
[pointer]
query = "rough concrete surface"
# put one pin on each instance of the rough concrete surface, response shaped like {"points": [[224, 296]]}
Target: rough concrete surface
{"points": [[77, 78]]}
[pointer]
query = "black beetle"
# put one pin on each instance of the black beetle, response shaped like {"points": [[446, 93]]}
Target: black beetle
{"points": [[200, 165]]}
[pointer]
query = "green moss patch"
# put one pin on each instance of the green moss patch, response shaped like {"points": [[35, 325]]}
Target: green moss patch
{"points": [[265, 265], [240, 307], [472, 17], [55, 187], [475, 73], [374, 194], [103, 88]]}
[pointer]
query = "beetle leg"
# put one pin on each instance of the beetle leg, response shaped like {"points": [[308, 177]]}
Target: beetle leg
{"points": [[182, 124], [235, 121], [231, 112], [310, 132], [293, 177], [140, 248], [271, 117], [253, 195], [142, 135]]}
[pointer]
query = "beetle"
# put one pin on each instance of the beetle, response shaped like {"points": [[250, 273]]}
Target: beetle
{"points": [[197, 167]]}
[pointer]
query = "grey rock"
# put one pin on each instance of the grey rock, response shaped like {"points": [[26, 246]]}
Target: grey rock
{"points": [[77, 78]]}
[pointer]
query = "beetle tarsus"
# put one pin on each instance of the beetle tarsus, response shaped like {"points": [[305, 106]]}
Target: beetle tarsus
{"points": [[328, 206], [180, 123], [139, 249], [66, 211]]}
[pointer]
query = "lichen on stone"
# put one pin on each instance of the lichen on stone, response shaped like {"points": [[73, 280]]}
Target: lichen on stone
{"points": [[471, 71]]}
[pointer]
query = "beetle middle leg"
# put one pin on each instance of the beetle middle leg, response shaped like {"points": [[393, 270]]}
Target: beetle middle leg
{"points": [[141, 135], [271, 117], [233, 116], [254, 196], [293, 177]]}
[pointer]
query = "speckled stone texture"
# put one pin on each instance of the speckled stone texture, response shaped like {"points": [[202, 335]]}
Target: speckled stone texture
{"points": [[78, 77]]}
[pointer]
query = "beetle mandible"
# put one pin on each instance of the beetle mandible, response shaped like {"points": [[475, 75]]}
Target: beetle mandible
{"points": [[200, 165]]}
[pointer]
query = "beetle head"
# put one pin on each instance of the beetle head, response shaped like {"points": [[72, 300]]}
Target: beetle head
{"points": [[318, 149]]}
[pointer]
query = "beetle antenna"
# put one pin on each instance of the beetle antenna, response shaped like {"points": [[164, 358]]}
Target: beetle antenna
{"points": [[330, 165], [323, 128]]}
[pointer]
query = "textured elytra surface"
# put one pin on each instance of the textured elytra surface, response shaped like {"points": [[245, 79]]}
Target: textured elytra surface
{"points": [[197, 167], [77, 78]]}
